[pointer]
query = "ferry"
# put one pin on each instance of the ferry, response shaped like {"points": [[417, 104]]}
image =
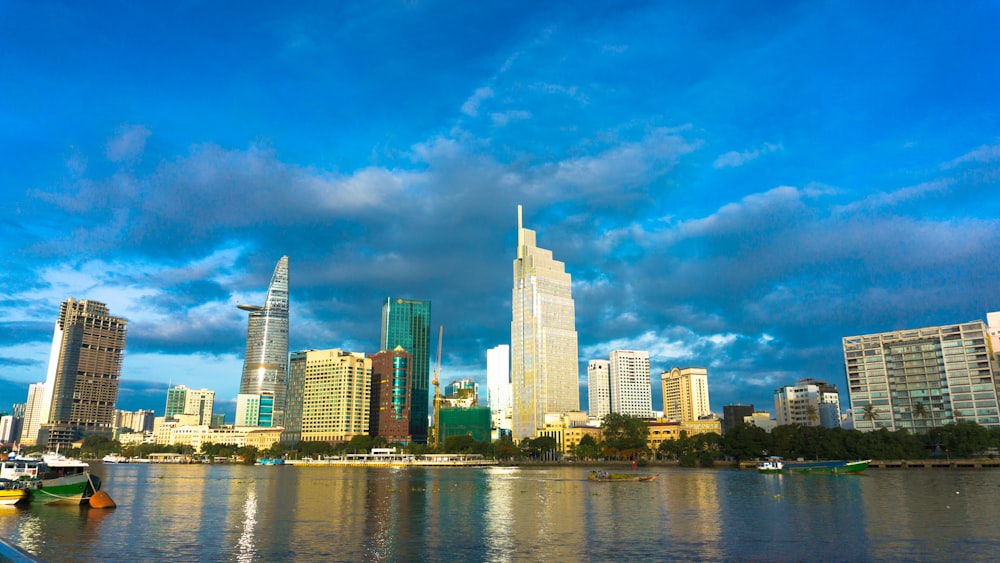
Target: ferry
{"points": [[52, 478], [114, 458], [778, 465]]}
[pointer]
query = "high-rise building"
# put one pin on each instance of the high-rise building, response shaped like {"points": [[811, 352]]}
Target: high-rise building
{"points": [[85, 364], [390, 395], [10, 428], [598, 388], [336, 395], [922, 378], [407, 323], [465, 388], [685, 394], [808, 403], [195, 402], [733, 415], [631, 390], [498, 386], [33, 414], [993, 325], [265, 367], [138, 421], [545, 374]]}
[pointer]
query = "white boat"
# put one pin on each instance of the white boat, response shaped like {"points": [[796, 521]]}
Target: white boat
{"points": [[52, 478], [114, 458]]}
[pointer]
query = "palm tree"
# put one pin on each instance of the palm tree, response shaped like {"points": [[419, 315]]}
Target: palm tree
{"points": [[919, 410], [869, 413], [812, 414]]}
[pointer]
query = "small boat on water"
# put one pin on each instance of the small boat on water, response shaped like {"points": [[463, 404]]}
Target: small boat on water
{"points": [[270, 461], [114, 458], [52, 478], [12, 492], [778, 465], [606, 477]]}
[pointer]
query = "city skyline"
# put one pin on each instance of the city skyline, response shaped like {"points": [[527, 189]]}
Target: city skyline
{"points": [[729, 186]]}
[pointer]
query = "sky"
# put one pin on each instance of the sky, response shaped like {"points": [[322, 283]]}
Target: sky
{"points": [[731, 185]]}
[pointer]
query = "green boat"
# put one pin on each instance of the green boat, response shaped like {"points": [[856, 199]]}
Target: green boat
{"points": [[606, 477], [776, 465], [52, 478]]}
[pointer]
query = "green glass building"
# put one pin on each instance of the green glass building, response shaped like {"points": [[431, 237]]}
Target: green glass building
{"points": [[407, 323]]}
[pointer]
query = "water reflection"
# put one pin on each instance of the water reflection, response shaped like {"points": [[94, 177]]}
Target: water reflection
{"points": [[245, 547]]}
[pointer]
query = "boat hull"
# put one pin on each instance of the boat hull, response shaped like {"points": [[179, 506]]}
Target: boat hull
{"points": [[621, 477], [819, 467], [10, 497], [72, 489]]}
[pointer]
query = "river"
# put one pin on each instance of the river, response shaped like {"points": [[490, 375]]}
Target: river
{"points": [[251, 513]]}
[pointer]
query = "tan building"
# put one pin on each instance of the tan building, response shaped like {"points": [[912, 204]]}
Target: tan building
{"points": [[336, 395], [558, 426], [662, 430], [685, 394], [545, 372]]}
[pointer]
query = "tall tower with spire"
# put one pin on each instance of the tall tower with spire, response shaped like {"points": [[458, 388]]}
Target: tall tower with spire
{"points": [[543, 342], [265, 367]]}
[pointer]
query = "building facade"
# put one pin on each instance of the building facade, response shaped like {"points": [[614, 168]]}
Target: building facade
{"points": [[32, 414], [406, 323], [808, 403], [631, 390], [922, 378], [733, 415], [545, 373], [198, 402], [137, 421], [390, 395], [498, 387], [336, 395], [598, 388], [85, 364], [265, 366], [685, 394]]}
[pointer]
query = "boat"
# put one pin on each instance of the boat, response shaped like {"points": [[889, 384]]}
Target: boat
{"points": [[52, 478], [114, 458], [606, 477], [270, 461], [12, 492], [778, 465]]}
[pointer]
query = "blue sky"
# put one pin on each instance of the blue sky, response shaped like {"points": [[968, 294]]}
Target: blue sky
{"points": [[731, 186]]}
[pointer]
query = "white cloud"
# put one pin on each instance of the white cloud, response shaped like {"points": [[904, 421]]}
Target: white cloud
{"points": [[983, 154], [502, 119], [128, 144], [471, 105], [734, 159]]}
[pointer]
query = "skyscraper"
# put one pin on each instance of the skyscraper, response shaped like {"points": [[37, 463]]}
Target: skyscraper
{"points": [[922, 378], [808, 403], [390, 395], [498, 386], [631, 389], [265, 367], [685, 394], [197, 403], [336, 394], [545, 373], [81, 387], [33, 414], [598, 388], [407, 323]]}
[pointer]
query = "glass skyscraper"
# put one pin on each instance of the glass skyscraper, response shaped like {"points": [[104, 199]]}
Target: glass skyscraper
{"points": [[265, 367], [545, 371], [407, 323]]}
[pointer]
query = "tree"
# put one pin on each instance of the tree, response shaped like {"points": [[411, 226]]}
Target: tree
{"points": [[919, 410], [869, 413], [624, 436], [812, 414], [587, 448]]}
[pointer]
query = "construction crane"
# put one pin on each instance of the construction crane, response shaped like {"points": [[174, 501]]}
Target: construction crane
{"points": [[437, 393]]}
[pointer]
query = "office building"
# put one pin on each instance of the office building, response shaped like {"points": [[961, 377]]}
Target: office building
{"points": [[808, 403], [922, 378], [631, 390], [336, 395], [685, 394], [85, 364], [472, 421], [390, 395], [265, 367], [196, 402], [32, 414], [407, 323], [733, 415], [138, 421], [993, 326], [598, 388], [544, 363], [498, 386]]}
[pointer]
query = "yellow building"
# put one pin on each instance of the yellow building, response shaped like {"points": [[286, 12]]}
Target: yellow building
{"points": [[566, 429], [336, 394], [685, 394], [662, 430]]}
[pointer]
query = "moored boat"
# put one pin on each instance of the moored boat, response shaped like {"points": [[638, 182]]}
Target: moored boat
{"points": [[114, 458], [52, 478], [12, 492], [270, 461], [604, 476], [777, 465]]}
